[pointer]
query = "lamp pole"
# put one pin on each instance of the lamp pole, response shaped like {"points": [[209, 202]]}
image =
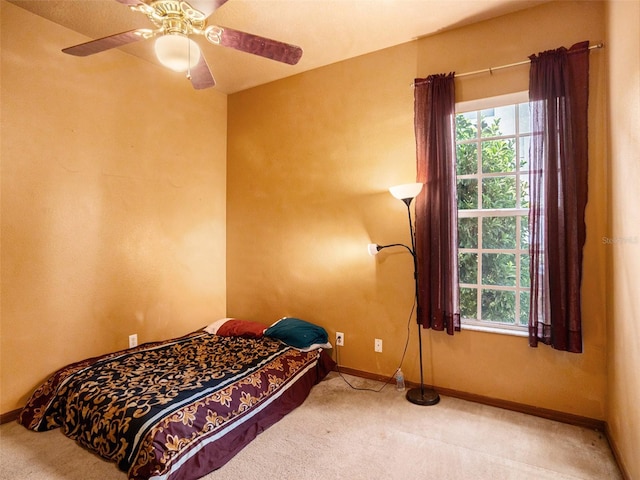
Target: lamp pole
{"points": [[419, 396], [406, 193]]}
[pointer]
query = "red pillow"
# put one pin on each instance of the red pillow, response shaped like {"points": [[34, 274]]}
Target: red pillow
{"points": [[241, 328]]}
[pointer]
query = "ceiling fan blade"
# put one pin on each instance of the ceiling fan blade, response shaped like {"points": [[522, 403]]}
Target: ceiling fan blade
{"points": [[201, 76], [254, 44], [107, 43]]}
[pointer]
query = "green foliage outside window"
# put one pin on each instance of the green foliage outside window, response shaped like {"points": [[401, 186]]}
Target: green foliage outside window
{"points": [[488, 180]]}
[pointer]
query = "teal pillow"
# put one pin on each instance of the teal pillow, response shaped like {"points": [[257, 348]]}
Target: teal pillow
{"points": [[297, 333]]}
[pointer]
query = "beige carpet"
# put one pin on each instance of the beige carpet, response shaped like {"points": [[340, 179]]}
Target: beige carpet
{"points": [[341, 433]]}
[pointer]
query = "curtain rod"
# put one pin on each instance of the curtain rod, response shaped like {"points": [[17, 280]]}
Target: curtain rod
{"points": [[493, 69]]}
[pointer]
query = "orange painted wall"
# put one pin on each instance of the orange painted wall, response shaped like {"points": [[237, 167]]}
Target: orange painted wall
{"points": [[113, 203], [622, 240], [309, 162]]}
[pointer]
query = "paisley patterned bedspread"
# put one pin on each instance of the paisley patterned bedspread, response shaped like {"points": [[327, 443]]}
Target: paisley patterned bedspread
{"points": [[176, 409]]}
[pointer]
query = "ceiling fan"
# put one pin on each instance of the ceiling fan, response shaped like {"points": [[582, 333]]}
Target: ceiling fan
{"points": [[175, 22]]}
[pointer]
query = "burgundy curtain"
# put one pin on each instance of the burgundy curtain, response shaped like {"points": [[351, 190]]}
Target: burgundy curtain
{"points": [[558, 92], [436, 207]]}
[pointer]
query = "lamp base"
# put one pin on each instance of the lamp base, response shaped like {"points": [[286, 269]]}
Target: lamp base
{"points": [[423, 396]]}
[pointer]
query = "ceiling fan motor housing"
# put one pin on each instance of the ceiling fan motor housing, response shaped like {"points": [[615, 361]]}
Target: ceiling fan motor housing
{"points": [[173, 16]]}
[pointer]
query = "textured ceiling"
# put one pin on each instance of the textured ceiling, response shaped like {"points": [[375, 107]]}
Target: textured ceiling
{"points": [[328, 31]]}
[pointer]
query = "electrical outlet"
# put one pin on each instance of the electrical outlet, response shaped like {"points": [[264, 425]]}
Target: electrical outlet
{"points": [[339, 339], [377, 345], [133, 340]]}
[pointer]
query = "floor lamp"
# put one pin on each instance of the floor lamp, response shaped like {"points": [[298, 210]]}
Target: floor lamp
{"points": [[407, 192]]}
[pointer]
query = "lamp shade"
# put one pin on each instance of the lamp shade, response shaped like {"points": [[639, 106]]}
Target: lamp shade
{"points": [[177, 52], [406, 190]]}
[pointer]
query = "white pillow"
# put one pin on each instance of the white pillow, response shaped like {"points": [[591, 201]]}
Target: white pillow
{"points": [[213, 327]]}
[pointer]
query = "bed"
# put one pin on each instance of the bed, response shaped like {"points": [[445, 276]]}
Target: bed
{"points": [[181, 408]]}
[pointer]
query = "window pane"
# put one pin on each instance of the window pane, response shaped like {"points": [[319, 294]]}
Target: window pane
{"points": [[523, 152], [499, 156], [466, 126], [499, 269], [524, 308], [468, 266], [524, 232], [488, 124], [524, 117], [469, 303], [524, 191], [499, 306], [498, 192], [525, 280], [468, 232], [499, 232], [498, 121], [467, 193], [467, 159]]}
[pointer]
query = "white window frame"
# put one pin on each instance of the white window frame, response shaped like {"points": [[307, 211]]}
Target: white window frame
{"points": [[474, 324]]}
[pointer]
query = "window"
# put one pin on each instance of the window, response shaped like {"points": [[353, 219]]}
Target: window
{"points": [[492, 145]]}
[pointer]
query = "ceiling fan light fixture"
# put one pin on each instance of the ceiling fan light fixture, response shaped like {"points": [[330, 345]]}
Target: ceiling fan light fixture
{"points": [[177, 52]]}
